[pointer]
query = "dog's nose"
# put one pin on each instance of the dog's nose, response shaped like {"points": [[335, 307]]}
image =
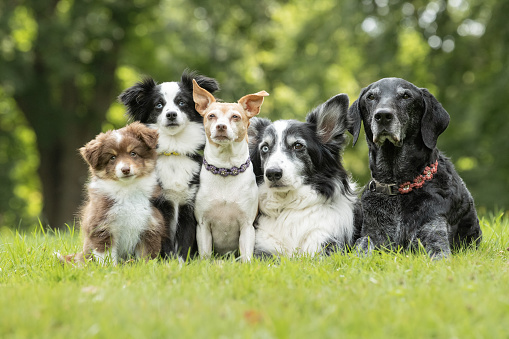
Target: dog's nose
{"points": [[384, 116], [171, 115], [126, 170], [274, 174], [221, 127]]}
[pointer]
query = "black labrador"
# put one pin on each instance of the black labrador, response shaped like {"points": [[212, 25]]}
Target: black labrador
{"points": [[415, 195]]}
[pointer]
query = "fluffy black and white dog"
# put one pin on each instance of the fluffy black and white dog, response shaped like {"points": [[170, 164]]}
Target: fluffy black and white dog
{"points": [[415, 195], [307, 201], [169, 108]]}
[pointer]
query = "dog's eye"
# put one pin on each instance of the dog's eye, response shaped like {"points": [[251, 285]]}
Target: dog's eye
{"points": [[370, 96], [133, 154], [112, 158], [265, 149], [159, 105], [211, 116], [235, 116], [182, 103], [298, 146], [406, 96]]}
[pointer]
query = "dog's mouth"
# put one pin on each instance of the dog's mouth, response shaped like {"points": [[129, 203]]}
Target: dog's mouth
{"points": [[172, 124], [384, 136]]}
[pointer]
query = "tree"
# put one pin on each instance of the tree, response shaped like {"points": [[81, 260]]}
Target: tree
{"points": [[59, 59]]}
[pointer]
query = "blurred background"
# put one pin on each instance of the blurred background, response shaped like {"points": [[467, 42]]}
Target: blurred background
{"points": [[63, 63]]}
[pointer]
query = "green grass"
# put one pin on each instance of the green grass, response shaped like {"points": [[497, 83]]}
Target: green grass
{"points": [[387, 295]]}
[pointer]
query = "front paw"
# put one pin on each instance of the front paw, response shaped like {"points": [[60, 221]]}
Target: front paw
{"points": [[364, 246]]}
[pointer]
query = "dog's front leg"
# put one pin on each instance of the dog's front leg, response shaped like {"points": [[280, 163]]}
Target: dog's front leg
{"points": [[246, 242], [204, 239], [434, 238]]}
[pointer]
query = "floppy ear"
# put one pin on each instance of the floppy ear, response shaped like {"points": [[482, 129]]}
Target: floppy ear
{"points": [[355, 118], [330, 118], [202, 98], [136, 99], [434, 121], [91, 151], [252, 103], [145, 134]]}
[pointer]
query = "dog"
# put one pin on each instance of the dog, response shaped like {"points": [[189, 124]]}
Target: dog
{"points": [[415, 197], [118, 221], [307, 200], [169, 108], [227, 199]]}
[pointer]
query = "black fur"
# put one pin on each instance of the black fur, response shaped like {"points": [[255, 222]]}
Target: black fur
{"points": [[319, 161], [440, 215], [142, 101]]}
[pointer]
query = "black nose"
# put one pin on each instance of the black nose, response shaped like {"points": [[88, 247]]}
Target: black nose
{"points": [[274, 174], [171, 115], [221, 127], [384, 116]]}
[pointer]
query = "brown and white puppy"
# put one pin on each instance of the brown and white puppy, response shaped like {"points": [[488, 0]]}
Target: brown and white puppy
{"points": [[227, 200], [118, 220]]}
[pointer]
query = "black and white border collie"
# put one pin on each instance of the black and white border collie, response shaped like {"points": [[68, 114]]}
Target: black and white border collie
{"points": [[307, 201], [169, 108]]}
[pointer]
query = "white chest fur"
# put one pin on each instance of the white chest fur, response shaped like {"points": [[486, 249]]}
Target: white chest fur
{"points": [[226, 207], [301, 221], [131, 213]]}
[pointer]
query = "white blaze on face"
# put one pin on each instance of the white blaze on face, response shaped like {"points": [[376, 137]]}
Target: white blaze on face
{"points": [[169, 90], [279, 158]]}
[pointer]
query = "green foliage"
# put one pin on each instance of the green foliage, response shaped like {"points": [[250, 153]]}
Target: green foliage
{"points": [[77, 56], [387, 295]]}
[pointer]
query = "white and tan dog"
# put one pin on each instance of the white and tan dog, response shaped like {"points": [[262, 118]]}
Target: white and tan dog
{"points": [[227, 200]]}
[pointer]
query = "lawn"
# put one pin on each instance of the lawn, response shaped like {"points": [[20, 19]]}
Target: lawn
{"points": [[387, 295]]}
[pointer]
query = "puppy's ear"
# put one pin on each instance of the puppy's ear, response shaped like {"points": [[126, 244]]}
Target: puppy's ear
{"points": [[331, 119], [137, 99], [92, 151], [202, 98], [434, 121], [252, 103], [355, 118], [209, 84], [145, 134]]}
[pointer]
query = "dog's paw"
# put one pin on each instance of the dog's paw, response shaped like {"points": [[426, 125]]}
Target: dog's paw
{"points": [[364, 246]]}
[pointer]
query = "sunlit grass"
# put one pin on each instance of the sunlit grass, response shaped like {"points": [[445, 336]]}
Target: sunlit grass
{"points": [[392, 295]]}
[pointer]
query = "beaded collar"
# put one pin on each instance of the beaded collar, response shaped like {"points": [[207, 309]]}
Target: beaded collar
{"points": [[224, 172], [406, 187]]}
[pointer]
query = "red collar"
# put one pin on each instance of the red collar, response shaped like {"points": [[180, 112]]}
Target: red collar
{"points": [[407, 187]]}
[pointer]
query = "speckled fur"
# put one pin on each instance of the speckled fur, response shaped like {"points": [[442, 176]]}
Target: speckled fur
{"points": [[439, 216]]}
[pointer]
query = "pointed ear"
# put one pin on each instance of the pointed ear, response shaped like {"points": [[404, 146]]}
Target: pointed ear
{"points": [[434, 121], [91, 151], [330, 118], [252, 103], [355, 118], [209, 84], [202, 98]]}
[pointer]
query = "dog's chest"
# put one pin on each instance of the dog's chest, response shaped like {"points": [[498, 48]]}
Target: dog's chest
{"points": [[304, 227], [226, 205], [130, 217], [175, 174]]}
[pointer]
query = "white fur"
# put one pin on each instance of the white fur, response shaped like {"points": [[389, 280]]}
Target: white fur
{"points": [[129, 215], [226, 206], [301, 221], [294, 218], [176, 171]]}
